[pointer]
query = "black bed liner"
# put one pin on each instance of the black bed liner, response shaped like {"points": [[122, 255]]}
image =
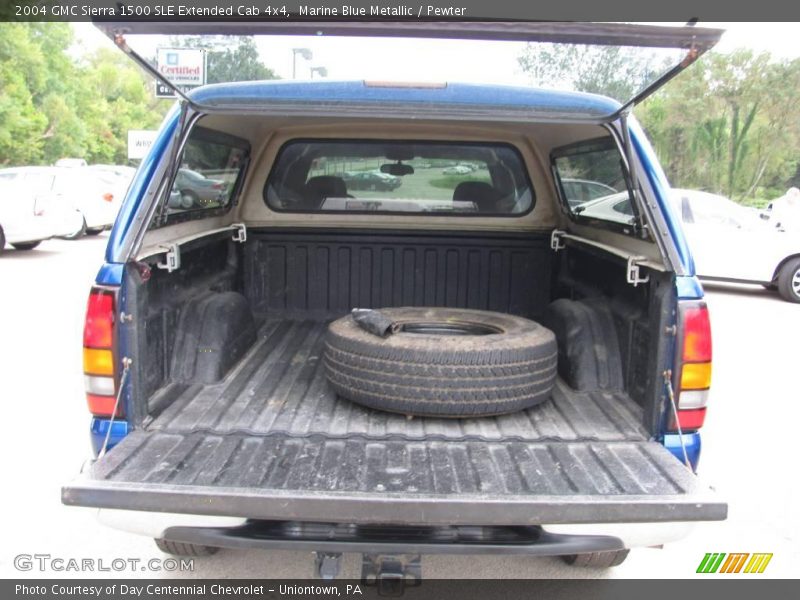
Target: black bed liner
{"points": [[280, 388], [272, 442]]}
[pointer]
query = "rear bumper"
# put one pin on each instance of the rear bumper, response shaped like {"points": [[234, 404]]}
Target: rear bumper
{"points": [[691, 441], [544, 540], [98, 429], [387, 539]]}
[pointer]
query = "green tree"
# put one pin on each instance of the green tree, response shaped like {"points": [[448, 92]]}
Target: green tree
{"points": [[729, 124], [57, 91], [614, 71], [21, 123], [122, 99], [52, 105]]}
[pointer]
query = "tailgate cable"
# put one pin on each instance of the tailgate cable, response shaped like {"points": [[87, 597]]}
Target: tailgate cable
{"points": [[671, 395], [126, 365]]}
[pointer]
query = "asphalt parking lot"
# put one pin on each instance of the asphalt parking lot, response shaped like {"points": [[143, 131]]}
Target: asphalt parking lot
{"points": [[750, 439]]}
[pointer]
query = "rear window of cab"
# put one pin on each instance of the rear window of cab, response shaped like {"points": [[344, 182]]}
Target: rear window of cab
{"points": [[403, 177]]}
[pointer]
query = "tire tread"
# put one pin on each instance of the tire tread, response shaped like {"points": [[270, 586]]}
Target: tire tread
{"points": [[785, 280], [449, 377]]}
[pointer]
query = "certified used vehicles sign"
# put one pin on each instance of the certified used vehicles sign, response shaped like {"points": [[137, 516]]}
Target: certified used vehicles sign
{"points": [[184, 67]]}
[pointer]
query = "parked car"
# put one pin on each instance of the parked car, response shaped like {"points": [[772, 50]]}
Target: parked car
{"points": [[90, 199], [371, 180], [27, 219], [209, 378], [118, 175], [174, 200], [579, 190], [71, 162], [122, 171], [784, 212], [196, 190], [615, 207], [731, 243], [457, 170]]}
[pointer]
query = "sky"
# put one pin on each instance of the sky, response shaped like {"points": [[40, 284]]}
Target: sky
{"points": [[436, 60]]}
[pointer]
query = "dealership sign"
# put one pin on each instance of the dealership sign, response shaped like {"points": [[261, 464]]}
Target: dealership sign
{"points": [[184, 67], [139, 142]]}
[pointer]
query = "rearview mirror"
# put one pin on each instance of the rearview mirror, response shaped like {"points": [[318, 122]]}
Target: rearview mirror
{"points": [[397, 169]]}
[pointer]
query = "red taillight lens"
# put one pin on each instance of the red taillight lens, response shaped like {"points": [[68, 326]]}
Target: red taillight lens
{"points": [[696, 334], [99, 326], [690, 420], [218, 186], [694, 375], [108, 197], [98, 353], [102, 406]]}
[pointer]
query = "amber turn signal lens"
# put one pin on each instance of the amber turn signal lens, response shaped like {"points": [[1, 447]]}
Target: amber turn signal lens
{"points": [[98, 362], [696, 376]]}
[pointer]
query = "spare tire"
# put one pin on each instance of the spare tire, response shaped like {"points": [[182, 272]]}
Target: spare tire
{"points": [[444, 362]]}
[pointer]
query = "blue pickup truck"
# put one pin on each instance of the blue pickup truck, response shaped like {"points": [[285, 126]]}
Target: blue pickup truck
{"points": [[213, 419]]}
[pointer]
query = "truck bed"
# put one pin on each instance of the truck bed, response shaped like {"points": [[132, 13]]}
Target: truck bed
{"points": [[279, 388], [271, 441]]}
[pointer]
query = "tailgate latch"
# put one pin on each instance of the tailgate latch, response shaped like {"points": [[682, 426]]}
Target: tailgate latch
{"points": [[557, 240], [172, 259], [239, 232], [633, 274]]}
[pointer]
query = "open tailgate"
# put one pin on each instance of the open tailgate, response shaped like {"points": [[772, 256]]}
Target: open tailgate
{"points": [[440, 482]]}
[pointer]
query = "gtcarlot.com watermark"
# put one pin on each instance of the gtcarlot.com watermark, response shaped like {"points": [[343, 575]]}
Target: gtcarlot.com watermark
{"points": [[48, 562]]}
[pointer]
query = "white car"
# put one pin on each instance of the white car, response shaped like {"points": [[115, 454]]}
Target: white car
{"points": [[121, 171], [614, 207], [27, 219], [730, 242], [457, 170], [90, 197], [579, 191], [784, 212]]}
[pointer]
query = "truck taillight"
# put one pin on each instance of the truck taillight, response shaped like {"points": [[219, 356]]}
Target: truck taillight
{"points": [[98, 353], [694, 378]]}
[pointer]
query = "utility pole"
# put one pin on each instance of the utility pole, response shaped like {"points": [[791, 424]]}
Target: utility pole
{"points": [[305, 53]]}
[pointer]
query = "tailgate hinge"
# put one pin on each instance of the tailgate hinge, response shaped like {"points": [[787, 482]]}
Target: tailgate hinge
{"points": [[172, 258], [239, 232], [633, 274]]}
